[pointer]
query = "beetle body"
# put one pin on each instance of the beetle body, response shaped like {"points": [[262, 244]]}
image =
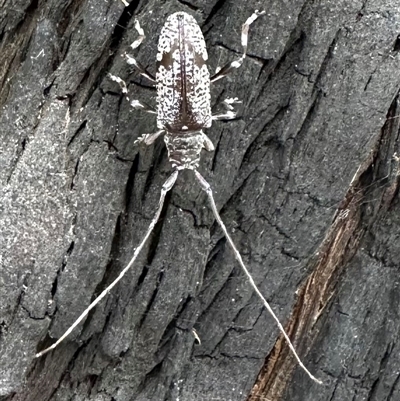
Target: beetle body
{"points": [[183, 90], [183, 79]]}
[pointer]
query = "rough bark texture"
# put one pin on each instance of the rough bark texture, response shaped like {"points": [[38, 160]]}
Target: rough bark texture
{"points": [[306, 180]]}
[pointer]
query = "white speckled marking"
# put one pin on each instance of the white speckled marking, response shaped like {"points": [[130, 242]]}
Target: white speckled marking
{"points": [[183, 79]]}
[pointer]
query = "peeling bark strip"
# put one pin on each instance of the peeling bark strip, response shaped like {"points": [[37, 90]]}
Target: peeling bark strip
{"points": [[183, 110], [313, 297], [373, 180]]}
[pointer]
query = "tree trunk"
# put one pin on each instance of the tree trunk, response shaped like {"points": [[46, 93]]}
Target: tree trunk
{"points": [[306, 180]]}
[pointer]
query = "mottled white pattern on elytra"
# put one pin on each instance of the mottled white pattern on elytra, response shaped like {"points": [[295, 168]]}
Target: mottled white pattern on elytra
{"points": [[170, 34], [183, 79]]}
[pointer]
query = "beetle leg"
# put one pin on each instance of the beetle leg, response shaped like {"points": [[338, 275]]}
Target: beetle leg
{"points": [[207, 143], [142, 70], [132, 61], [230, 113], [120, 82], [228, 68], [136, 104], [148, 139]]}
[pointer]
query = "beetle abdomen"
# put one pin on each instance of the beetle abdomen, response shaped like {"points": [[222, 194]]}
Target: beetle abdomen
{"points": [[183, 79]]}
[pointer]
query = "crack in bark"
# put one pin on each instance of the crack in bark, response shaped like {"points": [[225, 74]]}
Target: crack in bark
{"points": [[258, 59], [61, 269], [130, 183], [225, 355], [393, 388], [214, 11], [263, 138], [81, 127], [328, 57], [396, 45], [382, 365], [189, 5], [159, 279], [122, 25]]}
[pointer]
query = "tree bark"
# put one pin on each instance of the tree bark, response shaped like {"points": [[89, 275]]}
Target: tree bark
{"points": [[306, 179]]}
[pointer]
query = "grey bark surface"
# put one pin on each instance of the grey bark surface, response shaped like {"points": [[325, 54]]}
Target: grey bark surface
{"points": [[306, 179]]}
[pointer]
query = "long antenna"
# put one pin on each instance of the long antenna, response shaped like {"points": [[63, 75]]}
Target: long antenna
{"points": [[165, 188], [207, 188]]}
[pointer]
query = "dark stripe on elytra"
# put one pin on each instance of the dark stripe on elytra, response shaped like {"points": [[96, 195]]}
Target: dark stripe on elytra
{"points": [[182, 40]]}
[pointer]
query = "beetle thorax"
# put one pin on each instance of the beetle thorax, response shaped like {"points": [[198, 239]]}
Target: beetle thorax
{"points": [[184, 149]]}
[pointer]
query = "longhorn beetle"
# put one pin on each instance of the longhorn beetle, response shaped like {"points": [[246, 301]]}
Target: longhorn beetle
{"points": [[183, 111]]}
